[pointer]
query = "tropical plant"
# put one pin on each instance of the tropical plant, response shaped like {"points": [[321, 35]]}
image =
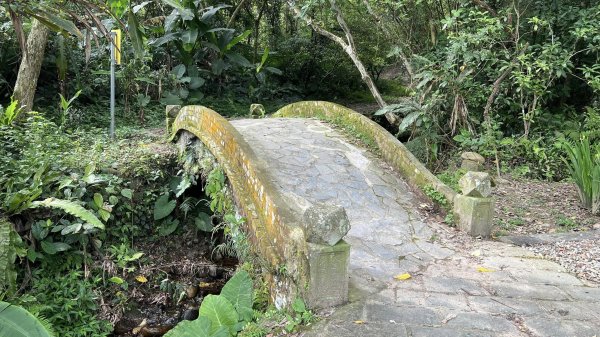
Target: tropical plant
{"points": [[584, 165], [221, 315], [10, 113], [65, 106], [18, 322]]}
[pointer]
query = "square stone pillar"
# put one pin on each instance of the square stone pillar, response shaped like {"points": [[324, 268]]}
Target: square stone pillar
{"points": [[328, 280], [474, 214]]}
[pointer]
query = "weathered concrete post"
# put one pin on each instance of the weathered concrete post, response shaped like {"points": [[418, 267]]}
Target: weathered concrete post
{"points": [[328, 255], [475, 206]]}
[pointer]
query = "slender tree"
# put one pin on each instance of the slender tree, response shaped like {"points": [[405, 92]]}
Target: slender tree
{"points": [[347, 44], [31, 64]]}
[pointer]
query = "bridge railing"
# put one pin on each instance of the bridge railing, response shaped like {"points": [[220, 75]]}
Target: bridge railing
{"points": [[474, 212], [279, 231]]}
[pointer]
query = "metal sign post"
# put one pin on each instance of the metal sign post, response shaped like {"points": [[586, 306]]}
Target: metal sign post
{"points": [[115, 58], [111, 133]]}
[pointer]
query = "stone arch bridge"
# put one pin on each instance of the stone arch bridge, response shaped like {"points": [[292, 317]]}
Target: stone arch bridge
{"points": [[301, 176]]}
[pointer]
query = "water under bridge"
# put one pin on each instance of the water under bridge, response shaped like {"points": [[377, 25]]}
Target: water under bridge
{"points": [[320, 157]]}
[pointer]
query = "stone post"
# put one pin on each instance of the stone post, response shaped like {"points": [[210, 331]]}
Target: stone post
{"points": [[170, 114], [328, 255], [474, 208], [471, 161]]}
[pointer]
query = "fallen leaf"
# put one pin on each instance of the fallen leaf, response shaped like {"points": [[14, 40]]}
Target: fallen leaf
{"points": [[485, 270], [141, 279], [402, 277], [359, 322]]}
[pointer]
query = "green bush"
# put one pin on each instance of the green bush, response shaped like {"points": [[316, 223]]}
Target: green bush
{"points": [[68, 302]]}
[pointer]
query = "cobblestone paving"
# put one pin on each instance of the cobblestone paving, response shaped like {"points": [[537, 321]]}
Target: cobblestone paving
{"points": [[515, 293]]}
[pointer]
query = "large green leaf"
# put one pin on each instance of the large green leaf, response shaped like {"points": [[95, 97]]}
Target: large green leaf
{"points": [[189, 36], [409, 120], [163, 207], [200, 327], [237, 40], [135, 33], [71, 208], [220, 312], [238, 291], [18, 322], [175, 4], [239, 60], [56, 23], [203, 222]]}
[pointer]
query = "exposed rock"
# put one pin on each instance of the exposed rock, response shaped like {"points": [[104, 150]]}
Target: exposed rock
{"points": [[325, 224], [476, 184]]}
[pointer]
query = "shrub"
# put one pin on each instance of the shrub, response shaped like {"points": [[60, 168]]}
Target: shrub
{"points": [[584, 165]]}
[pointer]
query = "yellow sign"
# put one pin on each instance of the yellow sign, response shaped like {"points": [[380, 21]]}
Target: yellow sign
{"points": [[117, 42]]}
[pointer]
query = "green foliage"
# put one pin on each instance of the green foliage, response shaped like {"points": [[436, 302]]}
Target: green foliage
{"points": [[299, 317], [220, 312], [584, 166], [71, 208], [65, 106], [68, 302], [566, 224], [437, 197], [18, 322], [10, 113], [123, 255], [238, 291], [200, 327], [163, 207], [451, 177], [222, 315]]}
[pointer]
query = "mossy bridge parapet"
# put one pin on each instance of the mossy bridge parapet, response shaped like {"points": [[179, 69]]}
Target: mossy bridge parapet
{"points": [[297, 268], [374, 135]]}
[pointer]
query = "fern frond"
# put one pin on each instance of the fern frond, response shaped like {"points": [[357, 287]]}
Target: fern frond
{"points": [[71, 208]]}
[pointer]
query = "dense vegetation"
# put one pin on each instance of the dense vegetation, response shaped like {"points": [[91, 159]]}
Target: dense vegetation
{"points": [[516, 81]]}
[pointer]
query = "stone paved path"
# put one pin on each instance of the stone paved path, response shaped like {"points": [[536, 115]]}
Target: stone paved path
{"points": [[447, 295]]}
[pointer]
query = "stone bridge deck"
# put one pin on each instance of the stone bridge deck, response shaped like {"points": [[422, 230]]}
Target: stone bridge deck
{"points": [[517, 295]]}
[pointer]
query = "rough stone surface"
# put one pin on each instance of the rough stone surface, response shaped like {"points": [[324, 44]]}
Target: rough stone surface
{"points": [[328, 274], [474, 215], [325, 224], [476, 184], [460, 286]]}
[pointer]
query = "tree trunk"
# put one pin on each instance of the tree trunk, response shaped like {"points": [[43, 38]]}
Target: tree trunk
{"points": [[31, 63], [348, 45]]}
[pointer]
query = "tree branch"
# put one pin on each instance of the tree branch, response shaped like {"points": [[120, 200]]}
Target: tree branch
{"points": [[235, 13]]}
